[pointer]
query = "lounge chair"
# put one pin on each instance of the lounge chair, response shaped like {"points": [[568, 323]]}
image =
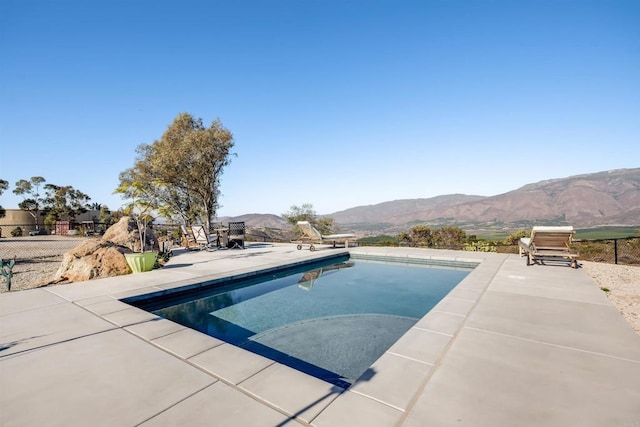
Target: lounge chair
{"points": [[309, 278], [548, 243], [203, 239], [312, 235], [188, 241]]}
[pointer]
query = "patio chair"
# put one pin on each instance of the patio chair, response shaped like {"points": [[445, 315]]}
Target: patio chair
{"points": [[222, 234], [203, 239], [309, 278], [549, 243], [312, 235], [188, 241], [236, 235]]}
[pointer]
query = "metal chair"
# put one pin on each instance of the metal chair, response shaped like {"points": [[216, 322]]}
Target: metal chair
{"points": [[236, 235]]}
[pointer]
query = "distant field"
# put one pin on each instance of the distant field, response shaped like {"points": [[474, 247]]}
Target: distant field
{"points": [[490, 237], [497, 236], [611, 232], [608, 232]]}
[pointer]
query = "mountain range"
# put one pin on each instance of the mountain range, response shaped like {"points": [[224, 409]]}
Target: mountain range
{"points": [[587, 200]]}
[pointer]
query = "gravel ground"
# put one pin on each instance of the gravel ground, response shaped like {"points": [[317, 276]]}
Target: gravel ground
{"points": [[37, 258], [620, 282]]}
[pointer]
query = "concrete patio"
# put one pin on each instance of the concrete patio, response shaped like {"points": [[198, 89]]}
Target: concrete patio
{"points": [[510, 345]]}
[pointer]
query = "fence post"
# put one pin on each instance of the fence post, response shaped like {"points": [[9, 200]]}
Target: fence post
{"points": [[615, 251]]}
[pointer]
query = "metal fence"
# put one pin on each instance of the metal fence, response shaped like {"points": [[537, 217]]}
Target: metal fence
{"points": [[615, 251], [37, 247], [17, 242]]}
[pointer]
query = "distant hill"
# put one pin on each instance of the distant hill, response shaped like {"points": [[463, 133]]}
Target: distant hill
{"points": [[604, 198], [398, 211], [386, 211], [588, 200]]}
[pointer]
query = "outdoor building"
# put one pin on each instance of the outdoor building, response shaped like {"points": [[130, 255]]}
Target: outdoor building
{"points": [[19, 218]]}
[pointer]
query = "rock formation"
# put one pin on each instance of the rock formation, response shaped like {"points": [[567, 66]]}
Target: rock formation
{"points": [[103, 257]]}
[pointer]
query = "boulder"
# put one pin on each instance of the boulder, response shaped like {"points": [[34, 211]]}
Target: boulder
{"points": [[103, 257], [125, 233], [92, 259]]}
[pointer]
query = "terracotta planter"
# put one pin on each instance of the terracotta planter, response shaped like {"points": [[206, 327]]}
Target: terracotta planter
{"points": [[140, 263]]}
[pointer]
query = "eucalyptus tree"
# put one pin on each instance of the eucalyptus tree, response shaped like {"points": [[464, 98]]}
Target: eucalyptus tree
{"points": [[105, 215], [306, 212], [423, 235], [32, 202], [4, 185], [180, 173], [64, 202]]}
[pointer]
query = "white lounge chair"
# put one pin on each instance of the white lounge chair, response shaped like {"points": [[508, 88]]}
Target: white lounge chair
{"points": [[549, 243], [312, 235], [309, 278], [188, 240], [203, 239]]}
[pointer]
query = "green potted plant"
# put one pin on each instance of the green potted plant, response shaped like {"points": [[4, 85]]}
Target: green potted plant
{"points": [[139, 209]]}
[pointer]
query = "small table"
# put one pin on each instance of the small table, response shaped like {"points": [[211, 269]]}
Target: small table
{"points": [[221, 232]]}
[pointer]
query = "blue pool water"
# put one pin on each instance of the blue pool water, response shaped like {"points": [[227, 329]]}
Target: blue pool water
{"points": [[331, 320]]}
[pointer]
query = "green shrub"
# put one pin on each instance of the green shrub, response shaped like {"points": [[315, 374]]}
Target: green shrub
{"points": [[480, 246], [16, 232], [515, 237]]}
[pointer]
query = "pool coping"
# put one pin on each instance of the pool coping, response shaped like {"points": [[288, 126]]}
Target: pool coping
{"points": [[406, 385], [391, 397], [192, 290]]}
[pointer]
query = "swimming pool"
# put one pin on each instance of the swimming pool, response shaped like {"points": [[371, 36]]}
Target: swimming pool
{"points": [[331, 319]]}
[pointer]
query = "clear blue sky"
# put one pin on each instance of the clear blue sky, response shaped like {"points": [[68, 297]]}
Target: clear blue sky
{"points": [[335, 103]]}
